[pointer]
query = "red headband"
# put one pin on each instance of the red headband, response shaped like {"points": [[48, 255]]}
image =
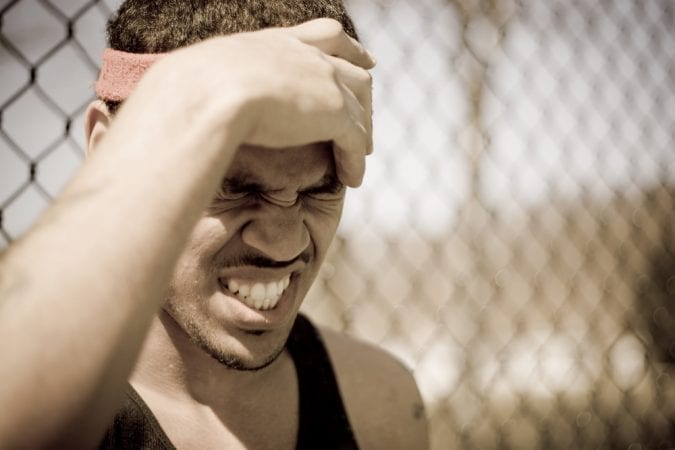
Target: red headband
{"points": [[120, 72]]}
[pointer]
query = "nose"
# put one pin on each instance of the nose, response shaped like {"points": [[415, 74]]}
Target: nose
{"points": [[279, 232]]}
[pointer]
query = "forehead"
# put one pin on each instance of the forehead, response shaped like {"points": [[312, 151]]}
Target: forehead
{"points": [[283, 168]]}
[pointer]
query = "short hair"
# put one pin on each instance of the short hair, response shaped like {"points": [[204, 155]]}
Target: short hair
{"points": [[158, 26]]}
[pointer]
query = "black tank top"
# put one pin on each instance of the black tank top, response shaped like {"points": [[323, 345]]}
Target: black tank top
{"points": [[323, 419]]}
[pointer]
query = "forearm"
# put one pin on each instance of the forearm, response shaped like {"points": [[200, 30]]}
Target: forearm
{"points": [[98, 262]]}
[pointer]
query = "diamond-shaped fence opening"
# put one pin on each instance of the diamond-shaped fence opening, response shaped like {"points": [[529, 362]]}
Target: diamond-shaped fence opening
{"points": [[67, 91], [32, 29], [513, 242], [21, 117]]}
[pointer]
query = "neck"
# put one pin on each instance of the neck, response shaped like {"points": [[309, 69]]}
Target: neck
{"points": [[173, 365], [200, 403]]}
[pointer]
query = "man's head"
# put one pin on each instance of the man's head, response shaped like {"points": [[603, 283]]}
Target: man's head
{"points": [[257, 249], [256, 252]]}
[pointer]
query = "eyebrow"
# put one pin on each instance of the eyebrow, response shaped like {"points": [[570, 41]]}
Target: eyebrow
{"points": [[241, 184], [246, 183]]}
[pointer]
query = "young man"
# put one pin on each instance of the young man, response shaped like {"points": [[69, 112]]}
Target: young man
{"points": [[156, 304]]}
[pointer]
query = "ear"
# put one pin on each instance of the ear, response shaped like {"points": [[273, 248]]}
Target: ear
{"points": [[97, 121]]}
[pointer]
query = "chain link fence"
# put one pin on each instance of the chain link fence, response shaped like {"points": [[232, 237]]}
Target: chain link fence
{"points": [[514, 240]]}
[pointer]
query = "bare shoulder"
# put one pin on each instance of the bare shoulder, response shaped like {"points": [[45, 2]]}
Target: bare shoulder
{"points": [[380, 394]]}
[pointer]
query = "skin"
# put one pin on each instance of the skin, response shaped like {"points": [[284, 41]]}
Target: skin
{"points": [[284, 209], [84, 286]]}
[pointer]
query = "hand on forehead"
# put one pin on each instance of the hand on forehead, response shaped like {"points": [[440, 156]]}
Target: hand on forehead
{"points": [[299, 85]]}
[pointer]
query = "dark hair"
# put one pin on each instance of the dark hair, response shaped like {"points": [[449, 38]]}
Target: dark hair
{"points": [[157, 26]]}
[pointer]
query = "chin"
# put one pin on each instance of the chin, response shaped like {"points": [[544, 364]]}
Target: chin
{"points": [[236, 349], [239, 361]]}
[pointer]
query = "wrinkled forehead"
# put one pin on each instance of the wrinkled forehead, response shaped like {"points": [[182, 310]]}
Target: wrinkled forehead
{"points": [[290, 167]]}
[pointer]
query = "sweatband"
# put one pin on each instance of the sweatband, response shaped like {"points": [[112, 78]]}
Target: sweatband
{"points": [[120, 72]]}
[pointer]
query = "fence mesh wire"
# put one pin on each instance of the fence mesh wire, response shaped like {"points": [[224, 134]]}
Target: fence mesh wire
{"points": [[513, 242]]}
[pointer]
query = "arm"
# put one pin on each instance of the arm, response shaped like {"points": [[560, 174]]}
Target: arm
{"points": [[77, 293], [380, 394]]}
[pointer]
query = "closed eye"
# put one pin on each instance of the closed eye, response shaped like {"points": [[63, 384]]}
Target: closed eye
{"points": [[230, 195], [329, 188]]}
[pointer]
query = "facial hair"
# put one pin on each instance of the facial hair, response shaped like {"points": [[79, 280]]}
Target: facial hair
{"points": [[230, 361]]}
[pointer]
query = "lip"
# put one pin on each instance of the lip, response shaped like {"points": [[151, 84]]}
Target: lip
{"points": [[265, 274], [249, 319]]}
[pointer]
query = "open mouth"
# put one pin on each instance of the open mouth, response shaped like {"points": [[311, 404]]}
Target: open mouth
{"points": [[258, 295]]}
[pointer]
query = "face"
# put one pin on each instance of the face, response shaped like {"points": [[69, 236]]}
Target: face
{"points": [[254, 254]]}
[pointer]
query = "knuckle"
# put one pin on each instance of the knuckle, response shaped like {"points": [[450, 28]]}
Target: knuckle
{"points": [[332, 99], [336, 100], [328, 69]]}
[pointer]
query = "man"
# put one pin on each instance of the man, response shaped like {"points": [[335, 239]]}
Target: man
{"points": [[178, 257]]}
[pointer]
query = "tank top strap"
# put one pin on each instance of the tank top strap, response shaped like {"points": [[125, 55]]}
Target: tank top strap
{"points": [[323, 418]]}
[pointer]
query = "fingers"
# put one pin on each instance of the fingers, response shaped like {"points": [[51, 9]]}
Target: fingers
{"points": [[350, 149], [328, 36], [309, 108], [351, 146], [359, 82], [349, 58], [350, 167]]}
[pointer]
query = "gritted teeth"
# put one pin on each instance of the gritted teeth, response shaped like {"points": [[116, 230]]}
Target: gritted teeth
{"points": [[259, 295]]}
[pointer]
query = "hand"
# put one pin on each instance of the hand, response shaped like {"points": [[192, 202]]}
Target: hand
{"points": [[297, 85]]}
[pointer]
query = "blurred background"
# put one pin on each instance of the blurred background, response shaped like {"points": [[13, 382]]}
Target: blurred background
{"points": [[514, 240]]}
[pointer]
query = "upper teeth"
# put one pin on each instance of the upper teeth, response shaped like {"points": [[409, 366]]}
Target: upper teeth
{"points": [[259, 295]]}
